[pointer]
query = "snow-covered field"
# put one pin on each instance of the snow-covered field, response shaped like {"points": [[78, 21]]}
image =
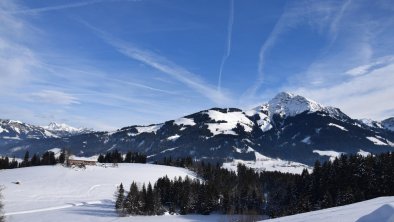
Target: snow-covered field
{"points": [[56, 193], [48, 192]]}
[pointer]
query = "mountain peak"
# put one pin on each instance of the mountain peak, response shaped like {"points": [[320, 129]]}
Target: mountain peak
{"points": [[288, 104], [53, 126]]}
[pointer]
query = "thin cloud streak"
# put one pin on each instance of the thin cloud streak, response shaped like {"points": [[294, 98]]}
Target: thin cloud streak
{"points": [[61, 7], [267, 45], [164, 65], [337, 19], [228, 43]]}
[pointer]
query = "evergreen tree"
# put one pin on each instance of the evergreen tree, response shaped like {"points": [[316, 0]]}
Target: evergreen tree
{"points": [[35, 160], [149, 201], [142, 201], [128, 157], [132, 202], [62, 156], [119, 207], [25, 162]]}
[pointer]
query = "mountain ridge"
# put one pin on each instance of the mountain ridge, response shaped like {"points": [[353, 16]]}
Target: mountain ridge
{"points": [[289, 127]]}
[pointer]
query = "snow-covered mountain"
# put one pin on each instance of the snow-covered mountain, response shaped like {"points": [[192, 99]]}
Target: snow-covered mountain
{"points": [[62, 129], [387, 124], [12, 131], [287, 128]]}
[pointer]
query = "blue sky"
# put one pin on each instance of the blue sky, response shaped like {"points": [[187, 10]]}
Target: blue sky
{"points": [[105, 64]]}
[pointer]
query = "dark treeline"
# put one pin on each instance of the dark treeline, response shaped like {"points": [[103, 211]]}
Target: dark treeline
{"points": [[47, 158], [117, 157], [184, 162], [346, 180]]}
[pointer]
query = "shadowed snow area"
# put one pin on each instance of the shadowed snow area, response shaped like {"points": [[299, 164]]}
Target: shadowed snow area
{"points": [[384, 213], [375, 210]]}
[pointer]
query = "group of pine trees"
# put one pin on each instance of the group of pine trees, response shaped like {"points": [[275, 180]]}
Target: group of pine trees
{"points": [[345, 180], [138, 202], [117, 157], [47, 158]]}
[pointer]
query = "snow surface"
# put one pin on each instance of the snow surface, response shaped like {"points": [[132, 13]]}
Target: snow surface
{"points": [[376, 141], [51, 188], [184, 121], [375, 210], [264, 163], [264, 121], [3, 130], [173, 138], [227, 122], [331, 153], [338, 126], [62, 127], [148, 129], [371, 123], [287, 104]]}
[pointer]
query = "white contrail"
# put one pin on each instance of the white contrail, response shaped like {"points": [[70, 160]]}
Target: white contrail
{"points": [[228, 43], [61, 7], [164, 65]]}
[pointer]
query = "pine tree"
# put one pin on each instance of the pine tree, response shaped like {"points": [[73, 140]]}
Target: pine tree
{"points": [[119, 203], [128, 157], [25, 162], [35, 160], [62, 156], [149, 202], [142, 201], [132, 203]]}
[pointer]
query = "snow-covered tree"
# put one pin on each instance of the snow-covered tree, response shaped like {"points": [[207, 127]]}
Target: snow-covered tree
{"points": [[119, 203]]}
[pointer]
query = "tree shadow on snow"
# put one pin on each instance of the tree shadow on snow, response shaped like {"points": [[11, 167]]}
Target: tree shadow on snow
{"points": [[104, 209]]}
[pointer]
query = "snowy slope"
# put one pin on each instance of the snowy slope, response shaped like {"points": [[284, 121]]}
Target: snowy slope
{"points": [[263, 163], [379, 210], [47, 188]]}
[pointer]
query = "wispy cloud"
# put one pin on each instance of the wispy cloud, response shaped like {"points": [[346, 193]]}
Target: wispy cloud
{"points": [[61, 7], [164, 65], [336, 21], [365, 69], [54, 97], [363, 96], [315, 14], [228, 43], [278, 29]]}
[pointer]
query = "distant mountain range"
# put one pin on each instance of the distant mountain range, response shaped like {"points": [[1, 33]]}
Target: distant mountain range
{"points": [[289, 127]]}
